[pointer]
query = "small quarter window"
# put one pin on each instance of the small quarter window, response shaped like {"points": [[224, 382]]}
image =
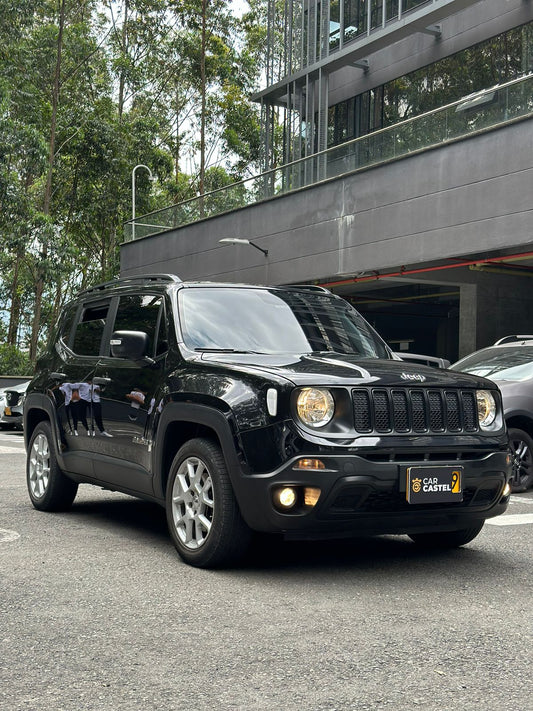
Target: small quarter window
{"points": [[90, 330]]}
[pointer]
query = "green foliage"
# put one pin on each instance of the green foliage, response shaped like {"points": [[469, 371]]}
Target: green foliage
{"points": [[88, 90], [14, 362]]}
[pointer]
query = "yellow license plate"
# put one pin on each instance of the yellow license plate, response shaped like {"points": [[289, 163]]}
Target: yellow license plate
{"points": [[7, 411]]}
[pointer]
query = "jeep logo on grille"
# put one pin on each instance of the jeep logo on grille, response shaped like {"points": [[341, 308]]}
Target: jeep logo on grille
{"points": [[413, 376]]}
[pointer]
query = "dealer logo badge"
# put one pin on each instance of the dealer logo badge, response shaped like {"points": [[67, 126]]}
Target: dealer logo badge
{"points": [[416, 485]]}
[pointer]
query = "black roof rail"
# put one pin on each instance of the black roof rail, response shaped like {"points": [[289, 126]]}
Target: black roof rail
{"points": [[513, 339], [172, 278]]}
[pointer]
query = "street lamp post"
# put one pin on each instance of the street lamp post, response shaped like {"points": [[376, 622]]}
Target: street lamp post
{"points": [[237, 240], [141, 165]]}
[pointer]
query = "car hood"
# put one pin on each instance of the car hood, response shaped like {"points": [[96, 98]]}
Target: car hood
{"points": [[19, 388], [339, 369]]}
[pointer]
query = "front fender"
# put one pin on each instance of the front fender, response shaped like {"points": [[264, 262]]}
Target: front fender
{"points": [[216, 420], [39, 407]]}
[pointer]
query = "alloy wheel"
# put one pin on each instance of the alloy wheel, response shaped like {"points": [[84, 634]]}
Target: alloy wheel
{"points": [[522, 461], [39, 466], [193, 503]]}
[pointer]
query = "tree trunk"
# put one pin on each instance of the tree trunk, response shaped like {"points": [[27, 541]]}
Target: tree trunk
{"points": [[203, 89], [14, 316], [41, 259], [124, 49]]}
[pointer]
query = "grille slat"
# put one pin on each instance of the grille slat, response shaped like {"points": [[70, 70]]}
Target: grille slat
{"points": [[414, 410]]}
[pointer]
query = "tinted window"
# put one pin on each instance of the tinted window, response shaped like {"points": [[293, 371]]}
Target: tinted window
{"points": [[66, 322], [275, 321], [140, 312], [90, 330]]}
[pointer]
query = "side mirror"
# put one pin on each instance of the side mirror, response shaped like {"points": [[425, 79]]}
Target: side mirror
{"points": [[130, 344]]}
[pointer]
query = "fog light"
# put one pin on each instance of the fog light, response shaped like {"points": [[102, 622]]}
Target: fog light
{"points": [[311, 495], [506, 490], [309, 464], [287, 497]]}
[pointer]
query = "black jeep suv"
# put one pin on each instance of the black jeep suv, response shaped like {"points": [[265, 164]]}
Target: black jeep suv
{"points": [[272, 409]]}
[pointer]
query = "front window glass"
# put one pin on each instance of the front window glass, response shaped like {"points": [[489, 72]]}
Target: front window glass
{"points": [[499, 363], [274, 321], [141, 312]]}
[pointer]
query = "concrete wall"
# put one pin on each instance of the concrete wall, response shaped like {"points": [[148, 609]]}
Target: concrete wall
{"points": [[473, 196]]}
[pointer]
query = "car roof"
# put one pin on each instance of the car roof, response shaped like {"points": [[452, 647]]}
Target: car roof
{"points": [[164, 281]]}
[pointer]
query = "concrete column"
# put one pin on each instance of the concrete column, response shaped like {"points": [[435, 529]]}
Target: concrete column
{"points": [[467, 319]]}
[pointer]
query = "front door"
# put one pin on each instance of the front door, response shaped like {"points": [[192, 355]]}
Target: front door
{"points": [[126, 395]]}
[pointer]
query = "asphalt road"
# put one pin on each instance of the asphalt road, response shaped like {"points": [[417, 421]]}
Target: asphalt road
{"points": [[98, 612]]}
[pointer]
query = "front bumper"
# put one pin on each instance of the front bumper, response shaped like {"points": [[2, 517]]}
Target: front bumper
{"points": [[11, 417], [362, 496]]}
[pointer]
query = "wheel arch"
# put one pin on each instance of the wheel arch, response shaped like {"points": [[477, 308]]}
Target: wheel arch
{"points": [[38, 408], [520, 422], [181, 422]]}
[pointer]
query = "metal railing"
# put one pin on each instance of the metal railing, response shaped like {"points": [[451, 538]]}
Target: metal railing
{"points": [[479, 112]]}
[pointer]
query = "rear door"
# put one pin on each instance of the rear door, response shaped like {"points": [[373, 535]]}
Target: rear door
{"points": [[83, 335]]}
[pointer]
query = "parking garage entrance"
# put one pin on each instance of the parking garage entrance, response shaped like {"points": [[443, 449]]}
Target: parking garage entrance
{"points": [[446, 309]]}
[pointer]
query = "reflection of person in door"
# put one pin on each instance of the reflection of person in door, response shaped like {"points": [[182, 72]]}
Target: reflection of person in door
{"points": [[96, 410], [67, 392], [136, 398], [76, 404]]}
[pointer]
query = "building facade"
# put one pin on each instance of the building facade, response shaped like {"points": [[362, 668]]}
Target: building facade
{"points": [[405, 170]]}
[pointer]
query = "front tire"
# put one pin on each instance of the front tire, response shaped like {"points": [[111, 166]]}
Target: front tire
{"points": [[521, 446], [203, 516], [48, 487], [447, 539]]}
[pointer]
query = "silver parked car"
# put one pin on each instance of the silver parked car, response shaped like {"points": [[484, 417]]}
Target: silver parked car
{"points": [[12, 405], [509, 363]]}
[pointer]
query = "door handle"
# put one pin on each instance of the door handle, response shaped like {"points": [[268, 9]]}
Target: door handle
{"points": [[58, 376], [101, 381]]}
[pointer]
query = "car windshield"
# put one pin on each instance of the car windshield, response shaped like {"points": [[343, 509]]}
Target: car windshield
{"points": [[499, 363], [274, 321]]}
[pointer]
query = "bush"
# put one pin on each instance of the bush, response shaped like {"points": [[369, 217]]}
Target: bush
{"points": [[14, 361]]}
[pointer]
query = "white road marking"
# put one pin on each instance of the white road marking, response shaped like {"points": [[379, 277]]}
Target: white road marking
{"points": [[11, 450], [511, 520], [7, 536], [520, 500]]}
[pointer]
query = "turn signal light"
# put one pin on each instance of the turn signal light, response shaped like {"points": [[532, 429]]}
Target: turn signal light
{"points": [[309, 464], [506, 490]]}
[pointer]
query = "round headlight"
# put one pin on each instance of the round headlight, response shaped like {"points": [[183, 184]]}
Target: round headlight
{"points": [[486, 408], [315, 406]]}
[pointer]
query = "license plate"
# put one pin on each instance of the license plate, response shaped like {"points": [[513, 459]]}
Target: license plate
{"points": [[7, 411], [434, 485]]}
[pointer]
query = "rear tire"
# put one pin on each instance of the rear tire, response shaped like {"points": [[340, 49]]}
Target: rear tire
{"points": [[447, 539], [521, 446], [203, 516], [48, 487]]}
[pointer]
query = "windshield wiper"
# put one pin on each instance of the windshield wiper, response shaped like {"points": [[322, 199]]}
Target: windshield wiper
{"points": [[223, 350]]}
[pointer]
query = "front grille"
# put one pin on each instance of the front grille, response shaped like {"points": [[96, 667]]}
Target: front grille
{"points": [[12, 398], [417, 411]]}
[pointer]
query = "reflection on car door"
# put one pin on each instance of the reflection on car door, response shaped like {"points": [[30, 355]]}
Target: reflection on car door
{"points": [[129, 394], [81, 339]]}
